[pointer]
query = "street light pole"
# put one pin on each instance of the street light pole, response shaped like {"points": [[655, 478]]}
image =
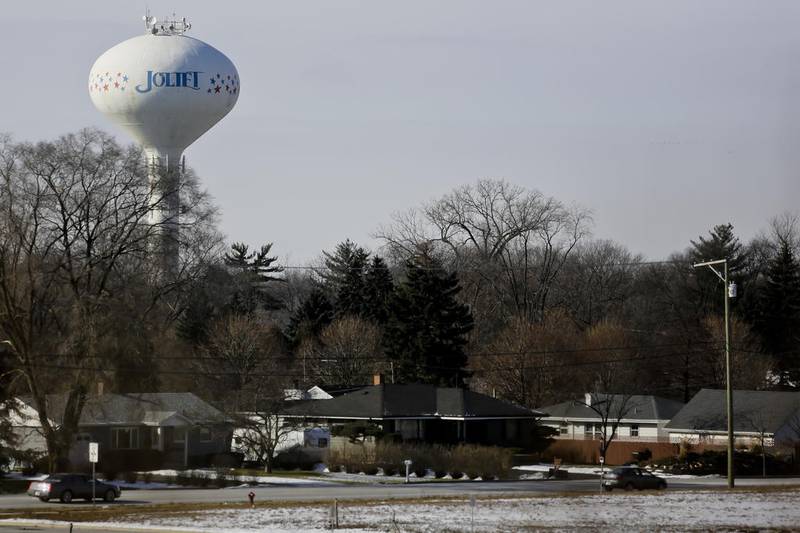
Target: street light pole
{"points": [[728, 291]]}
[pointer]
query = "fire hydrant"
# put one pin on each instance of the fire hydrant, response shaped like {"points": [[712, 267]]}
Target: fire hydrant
{"points": [[252, 496]]}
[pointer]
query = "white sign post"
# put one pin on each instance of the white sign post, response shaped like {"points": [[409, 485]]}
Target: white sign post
{"points": [[94, 453], [602, 461], [407, 462]]}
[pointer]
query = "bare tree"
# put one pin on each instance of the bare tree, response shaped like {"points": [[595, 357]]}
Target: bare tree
{"points": [[525, 364], [610, 377], [750, 367], [511, 241], [239, 351], [597, 281], [349, 352], [262, 429], [74, 237]]}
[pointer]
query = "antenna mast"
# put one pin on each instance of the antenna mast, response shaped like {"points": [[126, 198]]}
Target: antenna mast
{"points": [[168, 26]]}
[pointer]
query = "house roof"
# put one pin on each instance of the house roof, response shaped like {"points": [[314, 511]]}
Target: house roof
{"points": [[410, 401], [314, 393], [753, 411], [637, 407], [149, 409]]}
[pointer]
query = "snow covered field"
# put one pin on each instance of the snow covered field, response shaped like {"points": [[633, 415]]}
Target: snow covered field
{"points": [[669, 511]]}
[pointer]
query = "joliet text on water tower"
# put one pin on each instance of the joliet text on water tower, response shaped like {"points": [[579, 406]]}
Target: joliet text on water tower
{"points": [[165, 89]]}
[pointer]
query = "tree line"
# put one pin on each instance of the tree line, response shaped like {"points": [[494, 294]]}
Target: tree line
{"points": [[493, 286]]}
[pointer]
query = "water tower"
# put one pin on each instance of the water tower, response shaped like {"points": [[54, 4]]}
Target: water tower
{"points": [[165, 89]]}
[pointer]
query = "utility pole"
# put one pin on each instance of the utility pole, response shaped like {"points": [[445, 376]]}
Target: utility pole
{"points": [[728, 291]]}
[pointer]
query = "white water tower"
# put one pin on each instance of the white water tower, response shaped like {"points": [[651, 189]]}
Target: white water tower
{"points": [[165, 89]]}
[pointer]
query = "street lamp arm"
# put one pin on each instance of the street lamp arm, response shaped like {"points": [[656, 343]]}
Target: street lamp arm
{"points": [[710, 264]]}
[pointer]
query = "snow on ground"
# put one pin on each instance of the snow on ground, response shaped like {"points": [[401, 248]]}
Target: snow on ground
{"points": [[572, 469], [259, 479], [668, 511], [542, 468]]}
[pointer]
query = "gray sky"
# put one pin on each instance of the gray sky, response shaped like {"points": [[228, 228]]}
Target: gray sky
{"points": [[662, 118]]}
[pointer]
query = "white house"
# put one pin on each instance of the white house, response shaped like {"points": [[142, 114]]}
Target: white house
{"points": [[638, 417], [311, 438], [771, 416]]}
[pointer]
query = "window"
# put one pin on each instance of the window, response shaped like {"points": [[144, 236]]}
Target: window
{"points": [[563, 428], [322, 443], [125, 438], [592, 431], [155, 438], [634, 430], [204, 434], [179, 437]]}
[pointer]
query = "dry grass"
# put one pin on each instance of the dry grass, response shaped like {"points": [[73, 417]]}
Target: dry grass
{"points": [[118, 512]]}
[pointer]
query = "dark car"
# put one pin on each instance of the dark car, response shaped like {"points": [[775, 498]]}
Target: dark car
{"points": [[67, 487], [632, 477]]}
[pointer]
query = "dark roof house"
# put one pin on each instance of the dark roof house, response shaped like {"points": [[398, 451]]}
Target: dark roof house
{"points": [[180, 426], [773, 414], [381, 402], [424, 412]]}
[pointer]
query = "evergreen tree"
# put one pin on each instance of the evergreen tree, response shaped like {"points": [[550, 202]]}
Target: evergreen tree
{"points": [[344, 277], [378, 289], [313, 315], [427, 328], [778, 319], [721, 243], [253, 270], [211, 296]]}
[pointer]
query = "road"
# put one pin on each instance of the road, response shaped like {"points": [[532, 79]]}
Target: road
{"points": [[363, 491]]}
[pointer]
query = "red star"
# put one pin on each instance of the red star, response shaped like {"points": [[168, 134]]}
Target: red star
{"points": [[216, 89], [105, 87], [116, 85]]}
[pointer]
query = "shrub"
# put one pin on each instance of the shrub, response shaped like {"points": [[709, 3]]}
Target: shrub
{"points": [[295, 458], [476, 461], [489, 462], [30, 462], [130, 460], [643, 455]]}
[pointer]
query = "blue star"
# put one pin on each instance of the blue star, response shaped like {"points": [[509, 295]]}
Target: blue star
{"points": [[125, 78], [213, 81]]}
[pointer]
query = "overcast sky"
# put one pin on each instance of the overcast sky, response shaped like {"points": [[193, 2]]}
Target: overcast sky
{"points": [[662, 118]]}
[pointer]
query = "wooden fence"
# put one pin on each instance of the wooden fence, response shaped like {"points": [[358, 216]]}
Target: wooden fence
{"points": [[619, 452]]}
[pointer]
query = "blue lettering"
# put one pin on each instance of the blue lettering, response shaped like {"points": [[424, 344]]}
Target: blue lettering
{"points": [[149, 83], [170, 79]]}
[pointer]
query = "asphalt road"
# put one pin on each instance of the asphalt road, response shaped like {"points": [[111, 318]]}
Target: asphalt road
{"points": [[363, 491]]}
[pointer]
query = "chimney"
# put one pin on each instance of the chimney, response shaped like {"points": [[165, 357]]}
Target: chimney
{"points": [[99, 388], [377, 379], [587, 399]]}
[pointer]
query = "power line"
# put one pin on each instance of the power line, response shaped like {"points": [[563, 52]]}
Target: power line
{"points": [[555, 351], [492, 266], [543, 367]]}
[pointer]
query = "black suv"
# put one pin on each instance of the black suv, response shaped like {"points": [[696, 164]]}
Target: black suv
{"points": [[65, 487], [632, 477]]}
